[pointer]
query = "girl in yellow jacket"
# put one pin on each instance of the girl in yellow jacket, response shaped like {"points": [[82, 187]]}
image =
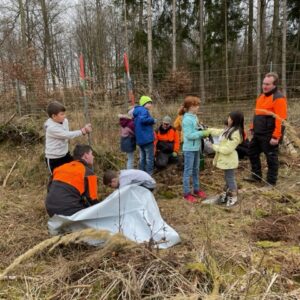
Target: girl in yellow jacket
{"points": [[226, 157]]}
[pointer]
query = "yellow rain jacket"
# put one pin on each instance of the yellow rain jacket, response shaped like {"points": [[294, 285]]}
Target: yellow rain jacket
{"points": [[226, 156]]}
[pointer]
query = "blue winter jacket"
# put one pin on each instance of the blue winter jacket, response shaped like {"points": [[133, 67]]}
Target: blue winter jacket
{"points": [[191, 133], [143, 124]]}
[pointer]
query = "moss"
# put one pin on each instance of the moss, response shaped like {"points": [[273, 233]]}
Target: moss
{"points": [[260, 213], [268, 244], [167, 194], [196, 266]]}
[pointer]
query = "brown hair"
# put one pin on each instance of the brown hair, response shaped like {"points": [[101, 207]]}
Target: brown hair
{"points": [[108, 176], [80, 150], [275, 77], [54, 108], [188, 102]]}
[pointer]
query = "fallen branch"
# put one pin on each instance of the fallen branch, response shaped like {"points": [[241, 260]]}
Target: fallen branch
{"points": [[10, 171]]}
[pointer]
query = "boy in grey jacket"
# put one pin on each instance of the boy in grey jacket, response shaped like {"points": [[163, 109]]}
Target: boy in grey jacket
{"points": [[58, 136]]}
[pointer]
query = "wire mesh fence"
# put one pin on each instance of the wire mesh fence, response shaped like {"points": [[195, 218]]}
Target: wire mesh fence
{"points": [[30, 95]]}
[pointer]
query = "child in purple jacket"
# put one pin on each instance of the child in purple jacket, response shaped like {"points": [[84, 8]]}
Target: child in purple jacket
{"points": [[128, 144]]}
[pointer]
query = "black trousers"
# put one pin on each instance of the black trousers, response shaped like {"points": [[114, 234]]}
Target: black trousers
{"points": [[53, 163], [260, 144]]}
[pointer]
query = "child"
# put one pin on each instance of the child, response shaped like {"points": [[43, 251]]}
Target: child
{"points": [[143, 124], [128, 143], [226, 157], [119, 179], [57, 136], [191, 147], [166, 144]]}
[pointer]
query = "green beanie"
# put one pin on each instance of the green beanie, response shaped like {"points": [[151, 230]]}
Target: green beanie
{"points": [[144, 100]]}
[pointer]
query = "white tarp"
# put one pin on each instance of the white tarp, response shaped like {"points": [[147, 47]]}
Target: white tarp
{"points": [[131, 210]]}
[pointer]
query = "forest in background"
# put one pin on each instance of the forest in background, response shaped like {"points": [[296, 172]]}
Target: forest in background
{"points": [[218, 49]]}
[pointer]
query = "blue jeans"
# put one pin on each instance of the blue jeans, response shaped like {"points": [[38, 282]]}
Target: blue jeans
{"points": [[191, 168], [230, 179], [147, 158], [130, 160]]}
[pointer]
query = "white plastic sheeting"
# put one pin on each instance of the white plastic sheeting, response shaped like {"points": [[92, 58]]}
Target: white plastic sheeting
{"points": [[131, 210]]}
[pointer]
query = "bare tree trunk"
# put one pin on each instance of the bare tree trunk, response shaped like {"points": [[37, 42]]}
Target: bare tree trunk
{"points": [[250, 35], [48, 41], [284, 31], [125, 26], [202, 87], [174, 36], [149, 34], [226, 52], [258, 44], [262, 21], [275, 36]]}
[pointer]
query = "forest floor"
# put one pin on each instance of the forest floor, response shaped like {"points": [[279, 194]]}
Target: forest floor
{"points": [[250, 251]]}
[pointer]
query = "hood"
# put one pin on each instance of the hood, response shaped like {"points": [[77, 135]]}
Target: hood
{"points": [[125, 122]]}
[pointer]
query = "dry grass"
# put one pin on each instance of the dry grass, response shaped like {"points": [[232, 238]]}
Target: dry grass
{"points": [[219, 257]]}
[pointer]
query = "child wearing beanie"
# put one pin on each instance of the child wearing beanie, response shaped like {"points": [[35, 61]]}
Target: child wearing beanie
{"points": [[143, 123]]}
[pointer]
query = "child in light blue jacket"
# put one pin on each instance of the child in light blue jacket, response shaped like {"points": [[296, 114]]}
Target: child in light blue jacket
{"points": [[191, 148]]}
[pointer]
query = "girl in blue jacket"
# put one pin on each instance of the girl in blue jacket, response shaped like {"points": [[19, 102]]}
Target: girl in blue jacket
{"points": [[191, 148]]}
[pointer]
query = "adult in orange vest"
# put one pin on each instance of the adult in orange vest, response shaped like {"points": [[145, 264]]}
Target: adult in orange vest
{"points": [[267, 129], [167, 144], [74, 185]]}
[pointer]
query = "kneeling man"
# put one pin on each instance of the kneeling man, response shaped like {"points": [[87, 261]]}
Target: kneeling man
{"points": [[74, 184]]}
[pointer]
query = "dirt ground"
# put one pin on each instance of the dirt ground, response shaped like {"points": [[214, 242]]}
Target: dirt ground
{"points": [[251, 251]]}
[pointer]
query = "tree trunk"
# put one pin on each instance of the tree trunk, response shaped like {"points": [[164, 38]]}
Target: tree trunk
{"points": [[284, 31], [275, 36], [250, 35], [149, 35], [48, 41], [202, 87], [174, 36], [262, 20], [258, 45], [226, 52]]}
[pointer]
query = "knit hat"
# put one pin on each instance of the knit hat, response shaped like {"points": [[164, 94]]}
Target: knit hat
{"points": [[144, 100], [167, 120]]}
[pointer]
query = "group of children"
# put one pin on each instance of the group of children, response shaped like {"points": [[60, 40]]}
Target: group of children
{"points": [[137, 128]]}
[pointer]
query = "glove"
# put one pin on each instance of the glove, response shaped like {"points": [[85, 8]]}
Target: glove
{"points": [[174, 154], [155, 121]]}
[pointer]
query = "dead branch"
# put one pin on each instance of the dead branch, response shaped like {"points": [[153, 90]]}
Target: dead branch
{"points": [[9, 173]]}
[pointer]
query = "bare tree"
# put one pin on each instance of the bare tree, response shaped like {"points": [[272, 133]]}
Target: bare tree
{"points": [[250, 34], [226, 51], [284, 31], [258, 45], [174, 36], [201, 34], [275, 36], [149, 34]]}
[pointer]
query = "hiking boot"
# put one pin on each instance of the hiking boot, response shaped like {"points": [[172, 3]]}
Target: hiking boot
{"points": [[222, 199], [190, 198], [200, 194], [231, 198]]}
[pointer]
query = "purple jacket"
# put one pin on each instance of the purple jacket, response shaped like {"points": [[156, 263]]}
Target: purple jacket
{"points": [[127, 127]]}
